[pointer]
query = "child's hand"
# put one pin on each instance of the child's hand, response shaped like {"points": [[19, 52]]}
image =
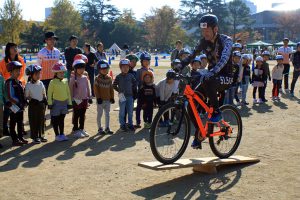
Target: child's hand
{"points": [[112, 101], [50, 107], [90, 101], [99, 101]]}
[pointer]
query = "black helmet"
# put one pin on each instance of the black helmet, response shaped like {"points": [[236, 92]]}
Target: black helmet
{"points": [[208, 20], [171, 74], [13, 65], [102, 64], [31, 69]]}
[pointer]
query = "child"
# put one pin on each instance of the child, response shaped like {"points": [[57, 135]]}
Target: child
{"points": [[146, 97], [245, 74], [183, 54], [232, 91], [165, 89], [145, 62], [258, 80], [267, 75], [296, 62], [59, 101], [16, 102], [35, 92], [203, 61], [81, 97], [237, 47], [104, 93], [196, 65], [277, 74], [126, 85], [133, 61], [2, 91]]}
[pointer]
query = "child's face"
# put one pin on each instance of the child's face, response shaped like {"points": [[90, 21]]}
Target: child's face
{"points": [[266, 58], [146, 63], [279, 62], [36, 76], [124, 69], [15, 73], [148, 79], [237, 49], [60, 75], [258, 64], [132, 64], [204, 62], [80, 71], [236, 59], [196, 65], [104, 71], [170, 81]]}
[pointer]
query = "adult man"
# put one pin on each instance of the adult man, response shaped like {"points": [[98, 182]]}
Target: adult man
{"points": [[71, 52], [286, 51], [47, 57], [175, 52]]}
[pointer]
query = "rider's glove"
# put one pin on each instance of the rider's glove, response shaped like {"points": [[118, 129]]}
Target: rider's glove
{"points": [[206, 76]]}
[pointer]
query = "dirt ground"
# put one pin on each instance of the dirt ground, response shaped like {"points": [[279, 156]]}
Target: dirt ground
{"points": [[105, 167]]}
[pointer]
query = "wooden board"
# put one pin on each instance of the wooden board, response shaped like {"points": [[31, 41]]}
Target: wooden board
{"points": [[204, 163]]}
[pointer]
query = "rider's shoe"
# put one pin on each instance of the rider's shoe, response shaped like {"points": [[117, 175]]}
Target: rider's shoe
{"points": [[216, 116], [196, 144]]}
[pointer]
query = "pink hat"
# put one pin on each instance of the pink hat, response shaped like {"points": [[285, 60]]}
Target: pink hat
{"points": [[81, 57], [59, 67]]}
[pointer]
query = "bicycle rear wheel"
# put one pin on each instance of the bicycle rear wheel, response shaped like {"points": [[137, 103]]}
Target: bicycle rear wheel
{"points": [[170, 133], [226, 145]]}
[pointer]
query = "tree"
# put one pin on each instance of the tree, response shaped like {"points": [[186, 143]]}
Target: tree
{"points": [[127, 30], [290, 23], [33, 36], [239, 15], [193, 10], [64, 20], [98, 16], [159, 26], [11, 21]]}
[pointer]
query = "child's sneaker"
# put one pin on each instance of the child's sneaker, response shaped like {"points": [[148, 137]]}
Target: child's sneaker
{"points": [[108, 131], [58, 138], [292, 94], [196, 144], [216, 116], [100, 131], [137, 126], [64, 138], [43, 139], [37, 141], [85, 134], [17, 143], [254, 101], [278, 98], [131, 128], [260, 101], [123, 128], [78, 134]]}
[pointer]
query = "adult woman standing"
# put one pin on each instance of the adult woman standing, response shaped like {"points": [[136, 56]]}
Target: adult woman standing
{"points": [[90, 66], [11, 54]]}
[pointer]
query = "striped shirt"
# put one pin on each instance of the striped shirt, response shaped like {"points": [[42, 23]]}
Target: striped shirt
{"points": [[46, 59]]}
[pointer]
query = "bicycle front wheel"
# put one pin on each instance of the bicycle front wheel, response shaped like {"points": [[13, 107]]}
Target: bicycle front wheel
{"points": [[170, 133], [225, 146]]}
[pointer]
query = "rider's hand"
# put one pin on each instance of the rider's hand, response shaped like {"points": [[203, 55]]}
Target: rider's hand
{"points": [[206, 76]]}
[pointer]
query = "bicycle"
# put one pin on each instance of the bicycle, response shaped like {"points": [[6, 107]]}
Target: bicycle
{"points": [[177, 113]]}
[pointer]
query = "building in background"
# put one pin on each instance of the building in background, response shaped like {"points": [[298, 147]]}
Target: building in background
{"points": [[251, 6], [48, 12]]}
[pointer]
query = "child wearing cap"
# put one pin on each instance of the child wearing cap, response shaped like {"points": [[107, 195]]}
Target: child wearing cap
{"points": [[165, 89], [277, 74], [203, 61], [267, 75], [145, 58], [245, 77], [35, 93], [147, 98], [80, 92], [59, 101], [258, 78], [126, 86], [16, 103], [104, 92]]}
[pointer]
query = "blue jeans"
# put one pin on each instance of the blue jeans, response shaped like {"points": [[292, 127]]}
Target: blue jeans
{"points": [[128, 106], [230, 95], [245, 88]]}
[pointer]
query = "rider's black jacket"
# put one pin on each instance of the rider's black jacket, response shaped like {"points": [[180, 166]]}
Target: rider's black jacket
{"points": [[218, 54]]}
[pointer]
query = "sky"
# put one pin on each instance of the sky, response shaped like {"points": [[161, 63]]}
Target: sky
{"points": [[35, 9]]}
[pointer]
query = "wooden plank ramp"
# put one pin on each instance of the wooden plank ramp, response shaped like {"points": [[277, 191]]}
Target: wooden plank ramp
{"points": [[205, 165]]}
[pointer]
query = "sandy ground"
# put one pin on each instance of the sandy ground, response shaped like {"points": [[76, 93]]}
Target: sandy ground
{"points": [[105, 167]]}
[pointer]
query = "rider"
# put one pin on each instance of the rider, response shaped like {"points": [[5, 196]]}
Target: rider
{"points": [[218, 48]]}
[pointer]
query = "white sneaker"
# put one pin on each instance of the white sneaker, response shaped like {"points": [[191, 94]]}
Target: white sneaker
{"points": [[58, 138], [85, 134], [254, 101], [64, 138], [259, 101], [79, 134]]}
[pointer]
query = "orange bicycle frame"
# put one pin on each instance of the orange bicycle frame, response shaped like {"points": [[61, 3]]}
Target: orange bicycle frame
{"points": [[191, 96]]}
